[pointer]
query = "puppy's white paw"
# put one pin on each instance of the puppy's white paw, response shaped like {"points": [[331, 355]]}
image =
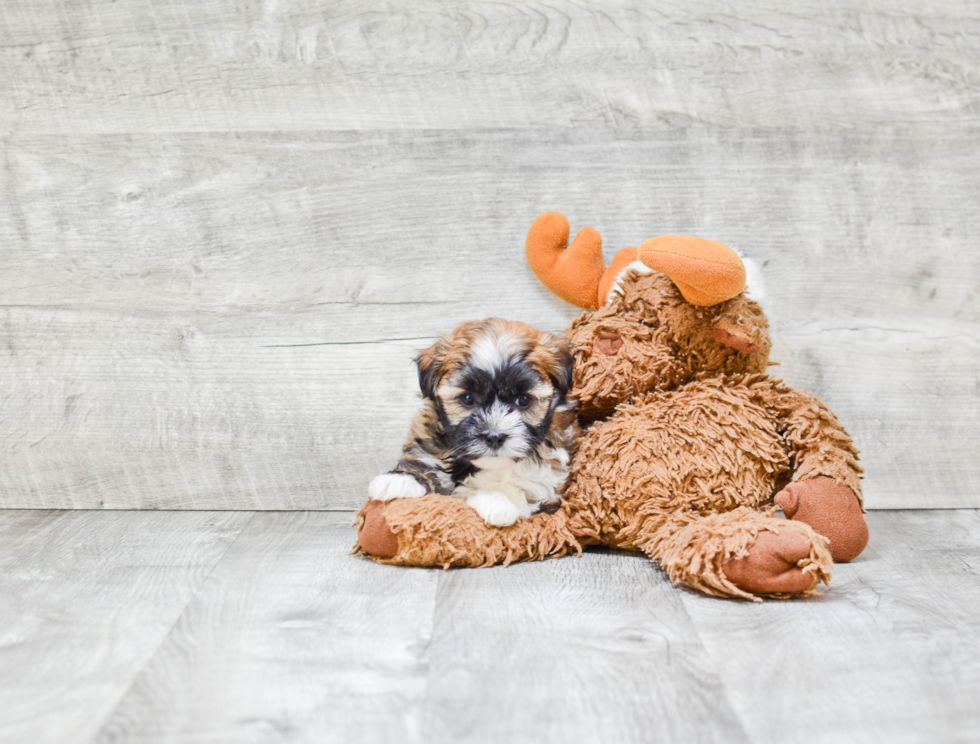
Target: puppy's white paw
{"points": [[395, 486], [496, 509]]}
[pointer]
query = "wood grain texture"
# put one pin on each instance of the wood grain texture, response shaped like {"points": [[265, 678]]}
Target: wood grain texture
{"points": [[85, 600], [889, 653], [597, 648], [291, 639], [284, 637], [227, 321], [202, 413], [100, 66]]}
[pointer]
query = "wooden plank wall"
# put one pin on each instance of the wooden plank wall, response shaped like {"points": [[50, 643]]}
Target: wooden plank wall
{"points": [[225, 227]]}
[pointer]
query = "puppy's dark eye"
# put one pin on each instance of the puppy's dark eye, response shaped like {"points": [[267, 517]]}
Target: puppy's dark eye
{"points": [[523, 401], [467, 399]]}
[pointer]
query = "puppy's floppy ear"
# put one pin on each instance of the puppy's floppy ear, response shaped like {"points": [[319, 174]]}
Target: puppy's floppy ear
{"points": [[561, 370], [429, 363]]}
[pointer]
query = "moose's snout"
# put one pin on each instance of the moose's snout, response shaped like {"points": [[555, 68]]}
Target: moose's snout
{"points": [[609, 343]]}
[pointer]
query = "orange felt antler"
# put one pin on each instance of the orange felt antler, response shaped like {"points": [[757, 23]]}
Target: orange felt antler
{"points": [[706, 272], [572, 273]]}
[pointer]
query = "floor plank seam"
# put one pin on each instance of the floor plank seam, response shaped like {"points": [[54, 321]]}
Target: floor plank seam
{"points": [[163, 639], [685, 597]]}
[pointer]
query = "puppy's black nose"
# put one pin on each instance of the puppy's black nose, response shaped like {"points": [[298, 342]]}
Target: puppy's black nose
{"points": [[494, 439]]}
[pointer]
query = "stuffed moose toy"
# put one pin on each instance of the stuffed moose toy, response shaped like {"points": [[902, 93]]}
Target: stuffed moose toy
{"points": [[687, 444]]}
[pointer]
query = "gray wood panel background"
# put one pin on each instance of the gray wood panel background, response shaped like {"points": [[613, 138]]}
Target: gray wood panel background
{"points": [[226, 227]]}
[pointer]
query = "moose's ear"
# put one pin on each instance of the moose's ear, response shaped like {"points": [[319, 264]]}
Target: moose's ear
{"points": [[742, 325], [429, 363]]}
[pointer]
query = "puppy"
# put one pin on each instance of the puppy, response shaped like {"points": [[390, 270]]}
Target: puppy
{"points": [[496, 427]]}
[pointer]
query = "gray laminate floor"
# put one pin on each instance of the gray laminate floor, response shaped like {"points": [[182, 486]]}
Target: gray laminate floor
{"points": [[259, 627]]}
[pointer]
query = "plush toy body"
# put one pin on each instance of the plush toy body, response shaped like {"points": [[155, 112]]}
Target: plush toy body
{"points": [[687, 445]]}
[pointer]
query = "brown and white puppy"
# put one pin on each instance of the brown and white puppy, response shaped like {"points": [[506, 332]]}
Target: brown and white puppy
{"points": [[496, 427]]}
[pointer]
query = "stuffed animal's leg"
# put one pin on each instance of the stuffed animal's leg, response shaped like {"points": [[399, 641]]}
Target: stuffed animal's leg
{"points": [[445, 531], [740, 553], [826, 490]]}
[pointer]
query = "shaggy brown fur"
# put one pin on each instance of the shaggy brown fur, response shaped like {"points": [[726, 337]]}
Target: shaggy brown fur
{"points": [[687, 444], [666, 342], [446, 532]]}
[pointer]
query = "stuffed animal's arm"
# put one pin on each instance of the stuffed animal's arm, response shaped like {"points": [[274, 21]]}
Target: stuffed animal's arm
{"points": [[446, 531], [826, 490], [818, 444]]}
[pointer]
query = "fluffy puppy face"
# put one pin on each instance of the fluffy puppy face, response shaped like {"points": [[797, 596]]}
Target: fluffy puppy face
{"points": [[495, 386]]}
